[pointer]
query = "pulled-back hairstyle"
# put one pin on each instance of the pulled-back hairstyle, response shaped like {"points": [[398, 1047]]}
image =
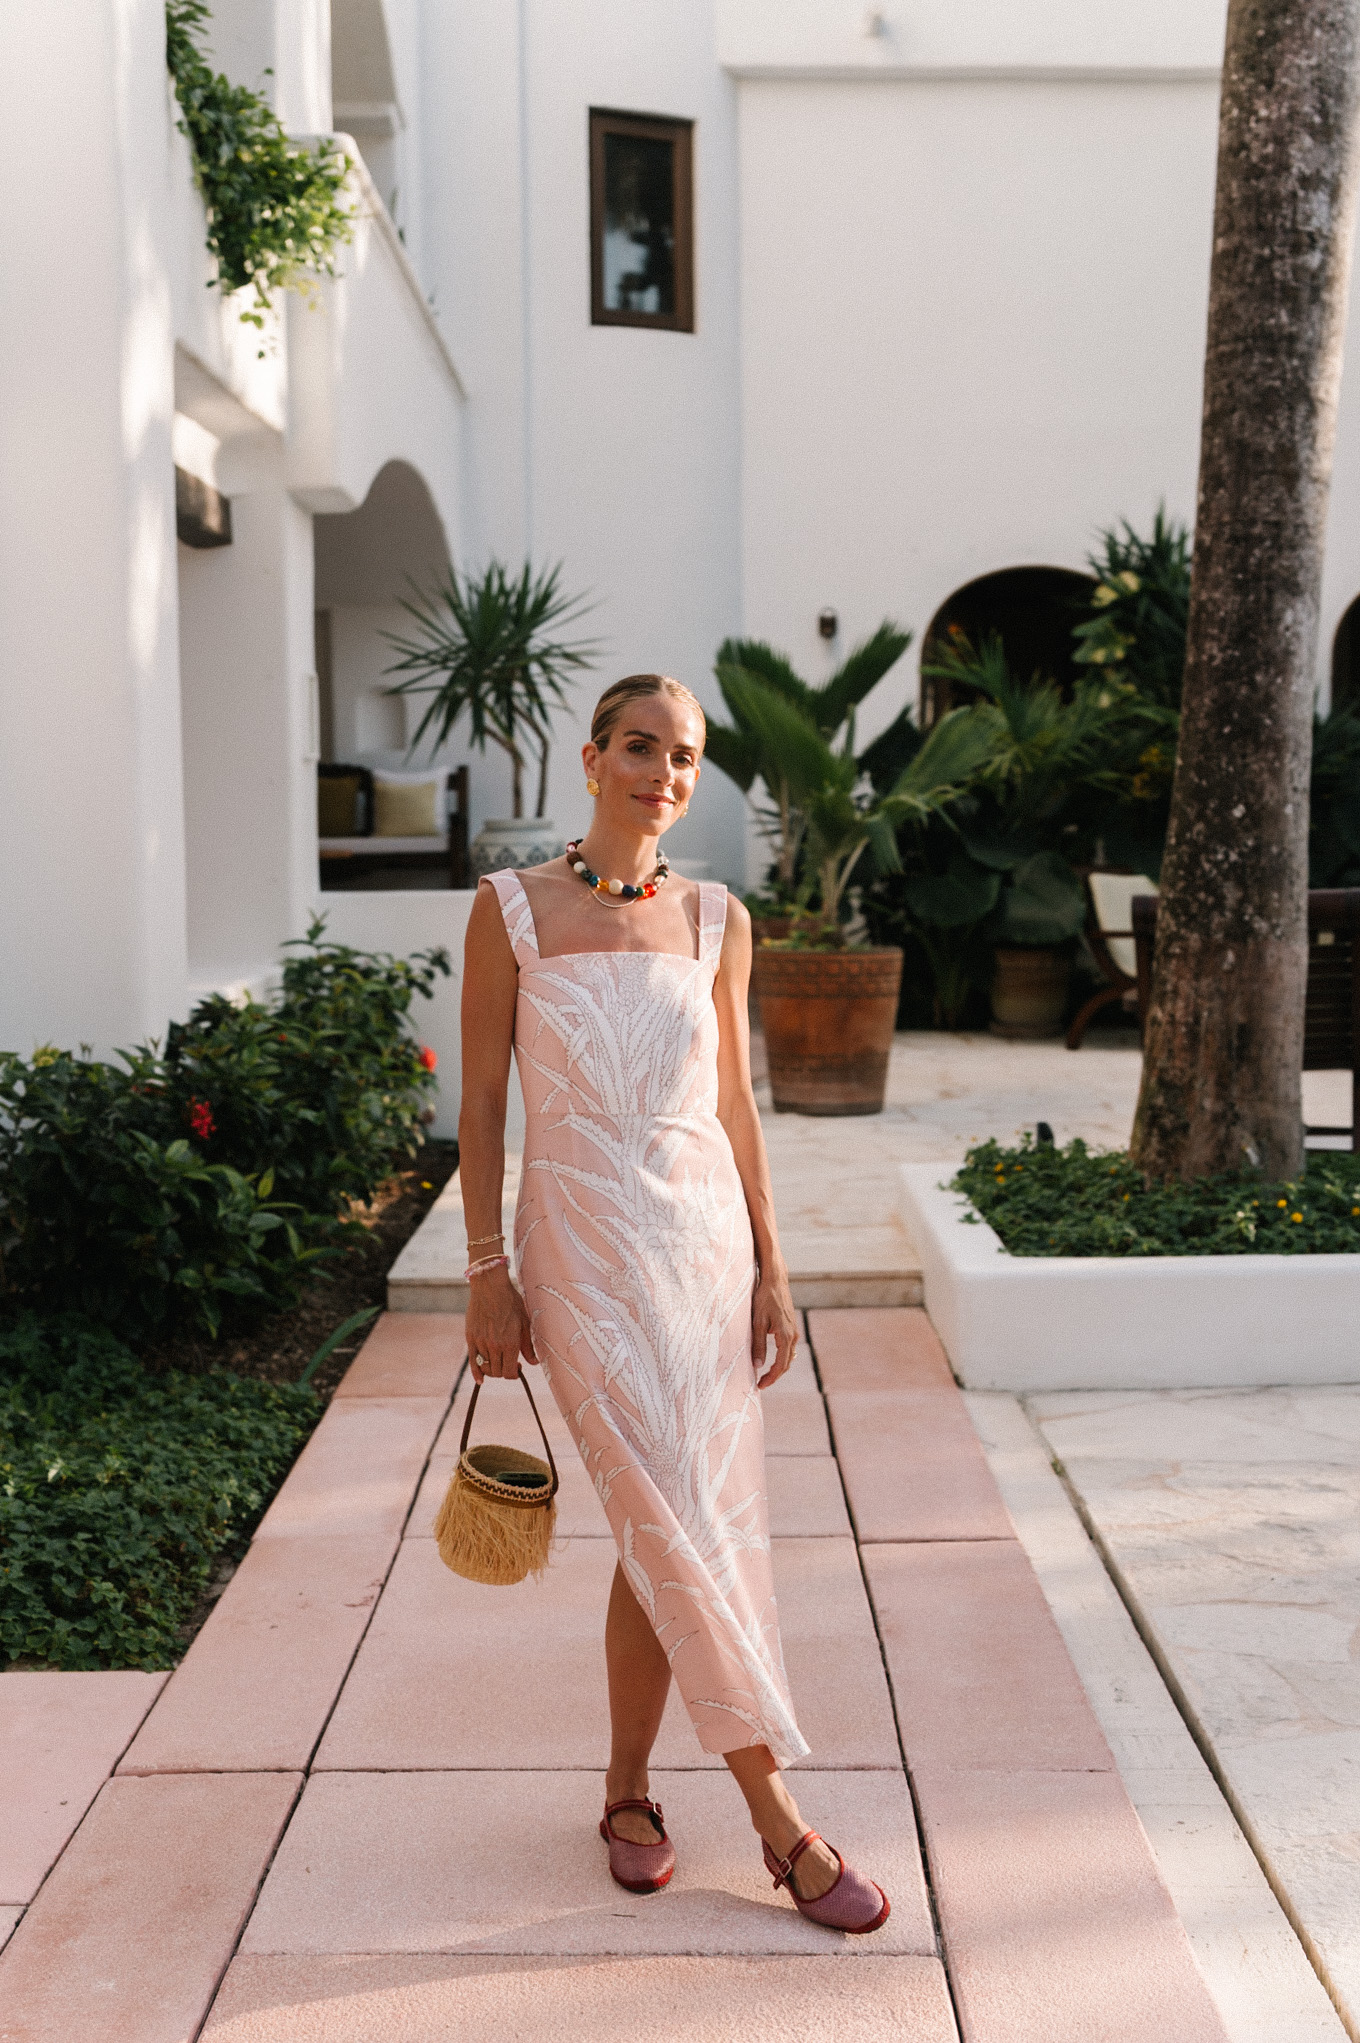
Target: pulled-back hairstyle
{"points": [[633, 688]]}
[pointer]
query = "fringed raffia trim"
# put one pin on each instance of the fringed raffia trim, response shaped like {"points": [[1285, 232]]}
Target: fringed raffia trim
{"points": [[485, 1540]]}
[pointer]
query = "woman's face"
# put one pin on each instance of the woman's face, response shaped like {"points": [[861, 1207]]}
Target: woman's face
{"points": [[648, 769]]}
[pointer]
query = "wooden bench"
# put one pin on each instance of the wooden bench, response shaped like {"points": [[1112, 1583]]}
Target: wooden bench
{"points": [[1331, 1015]]}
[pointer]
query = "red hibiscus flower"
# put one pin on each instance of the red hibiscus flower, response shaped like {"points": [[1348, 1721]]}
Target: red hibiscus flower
{"points": [[201, 1119], [427, 1057]]}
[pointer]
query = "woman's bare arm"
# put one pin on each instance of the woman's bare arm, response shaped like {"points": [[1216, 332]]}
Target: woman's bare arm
{"points": [[497, 1324], [772, 1313]]}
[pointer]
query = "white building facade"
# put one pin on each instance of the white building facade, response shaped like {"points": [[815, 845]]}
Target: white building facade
{"points": [[950, 267]]}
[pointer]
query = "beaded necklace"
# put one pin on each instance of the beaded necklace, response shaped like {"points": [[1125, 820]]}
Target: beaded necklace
{"points": [[620, 888]]}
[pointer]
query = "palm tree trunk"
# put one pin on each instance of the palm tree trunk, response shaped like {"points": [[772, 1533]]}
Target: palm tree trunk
{"points": [[1224, 1035], [542, 780]]}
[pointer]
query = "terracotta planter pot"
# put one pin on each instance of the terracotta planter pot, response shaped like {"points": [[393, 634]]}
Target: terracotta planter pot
{"points": [[828, 1018], [1029, 994], [769, 926]]}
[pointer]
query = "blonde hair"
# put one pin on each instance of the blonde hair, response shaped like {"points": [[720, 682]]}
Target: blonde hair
{"points": [[633, 688]]}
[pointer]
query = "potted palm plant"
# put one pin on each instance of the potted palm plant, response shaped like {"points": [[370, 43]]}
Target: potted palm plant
{"points": [[738, 750], [828, 1006], [485, 644]]}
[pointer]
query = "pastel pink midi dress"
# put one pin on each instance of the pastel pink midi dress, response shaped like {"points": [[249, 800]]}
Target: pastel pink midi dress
{"points": [[634, 1252]]}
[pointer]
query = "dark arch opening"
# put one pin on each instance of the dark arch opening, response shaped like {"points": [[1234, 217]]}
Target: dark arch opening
{"points": [[1033, 609], [1346, 660]]}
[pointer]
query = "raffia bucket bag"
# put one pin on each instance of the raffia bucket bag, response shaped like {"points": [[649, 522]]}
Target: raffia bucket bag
{"points": [[497, 1520]]}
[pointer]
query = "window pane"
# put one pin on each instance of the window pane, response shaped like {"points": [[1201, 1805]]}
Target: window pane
{"points": [[639, 224]]}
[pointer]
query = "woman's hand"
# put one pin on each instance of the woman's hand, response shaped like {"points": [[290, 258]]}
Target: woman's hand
{"points": [[497, 1327], [772, 1318]]}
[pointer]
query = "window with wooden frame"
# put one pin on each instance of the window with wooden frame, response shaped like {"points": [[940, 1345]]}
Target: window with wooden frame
{"points": [[641, 221]]}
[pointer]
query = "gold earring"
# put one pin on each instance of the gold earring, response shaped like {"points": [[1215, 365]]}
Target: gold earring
{"points": [[592, 787]]}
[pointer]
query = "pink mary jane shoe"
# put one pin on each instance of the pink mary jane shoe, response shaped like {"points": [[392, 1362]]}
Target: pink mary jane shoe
{"points": [[852, 1903], [641, 1868]]}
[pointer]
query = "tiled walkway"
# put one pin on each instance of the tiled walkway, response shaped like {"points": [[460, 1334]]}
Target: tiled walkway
{"points": [[364, 1807]]}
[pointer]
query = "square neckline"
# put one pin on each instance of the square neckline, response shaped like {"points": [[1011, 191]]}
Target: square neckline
{"points": [[563, 957]]}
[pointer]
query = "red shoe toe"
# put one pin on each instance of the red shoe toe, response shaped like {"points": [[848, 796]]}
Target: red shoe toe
{"points": [[853, 1903], [641, 1868]]}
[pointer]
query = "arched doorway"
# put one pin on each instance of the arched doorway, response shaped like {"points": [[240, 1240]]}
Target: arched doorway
{"points": [[1032, 608], [1346, 660]]}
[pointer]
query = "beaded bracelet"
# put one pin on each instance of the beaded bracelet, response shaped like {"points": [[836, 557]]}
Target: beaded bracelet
{"points": [[487, 1263]]}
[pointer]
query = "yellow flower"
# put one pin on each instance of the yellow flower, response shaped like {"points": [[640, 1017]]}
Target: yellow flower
{"points": [[1296, 1216], [1282, 1202], [1130, 581], [1104, 594]]}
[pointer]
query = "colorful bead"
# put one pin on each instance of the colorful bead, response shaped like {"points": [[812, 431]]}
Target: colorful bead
{"points": [[620, 890]]}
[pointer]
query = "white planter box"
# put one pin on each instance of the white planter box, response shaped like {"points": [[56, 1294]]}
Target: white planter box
{"points": [[1023, 1323]]}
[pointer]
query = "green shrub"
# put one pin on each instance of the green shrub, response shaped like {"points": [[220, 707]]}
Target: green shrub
{"points": [[120, 1491], [1078, 1202], [111, 1209], [181, 1191], [324, 1086]]}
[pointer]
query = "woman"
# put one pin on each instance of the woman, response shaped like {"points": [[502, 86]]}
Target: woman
{"points": [[653, 1285]]}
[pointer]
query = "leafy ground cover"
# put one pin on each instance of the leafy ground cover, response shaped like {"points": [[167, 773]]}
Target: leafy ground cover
{"points": [[120, 1490], [1045, 1201]]}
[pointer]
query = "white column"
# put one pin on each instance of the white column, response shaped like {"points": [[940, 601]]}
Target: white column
{"points": [[92, 941], [247, 655]]}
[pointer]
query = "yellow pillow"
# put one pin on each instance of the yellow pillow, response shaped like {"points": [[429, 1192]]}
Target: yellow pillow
{"points": [[406, 808]]}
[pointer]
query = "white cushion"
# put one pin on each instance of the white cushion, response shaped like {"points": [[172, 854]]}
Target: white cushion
{"points": [[1113, 895]]}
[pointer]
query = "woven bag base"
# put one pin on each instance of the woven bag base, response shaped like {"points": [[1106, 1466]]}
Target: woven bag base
{"points": [[489, 1532]]}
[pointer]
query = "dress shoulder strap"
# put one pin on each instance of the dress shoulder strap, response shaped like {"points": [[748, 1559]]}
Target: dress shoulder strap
{"points": [[517, 915], [712, 921]]}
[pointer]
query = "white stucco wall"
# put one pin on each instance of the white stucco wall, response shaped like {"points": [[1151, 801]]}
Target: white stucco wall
{"points": [[972, 334], [92, 929]]}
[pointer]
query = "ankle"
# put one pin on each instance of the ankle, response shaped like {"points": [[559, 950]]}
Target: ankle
{"points": [[627, 1785]]}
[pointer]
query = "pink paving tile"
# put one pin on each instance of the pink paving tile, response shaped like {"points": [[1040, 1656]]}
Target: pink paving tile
{"points": [[453, 1674], [980, 1674], [60, 1738], [408, 1354], [130, 1934], [256, 1686], [878, 1348], [564, 2000], [9, 1918], [360, 1470], [1055, 1920], [513, 1862], [913, 1466], [805, 1496]]}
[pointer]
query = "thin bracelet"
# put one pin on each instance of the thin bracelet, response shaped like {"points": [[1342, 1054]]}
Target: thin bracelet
{"points": [[487, 1263], [478, 1240]]}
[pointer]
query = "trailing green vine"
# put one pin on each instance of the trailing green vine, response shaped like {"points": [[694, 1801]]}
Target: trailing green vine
{"points": [[276, 212]]}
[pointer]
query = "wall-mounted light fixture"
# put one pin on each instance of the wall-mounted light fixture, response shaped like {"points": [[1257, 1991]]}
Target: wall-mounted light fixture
{"points": [[828, 624]]}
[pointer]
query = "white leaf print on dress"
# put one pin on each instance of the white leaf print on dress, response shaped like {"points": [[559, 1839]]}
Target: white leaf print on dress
{"points": [[634, 1248]]}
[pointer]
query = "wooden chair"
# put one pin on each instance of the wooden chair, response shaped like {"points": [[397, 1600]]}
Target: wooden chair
{"points": [[1331, 1015], [1109, 938], [363, 854]]}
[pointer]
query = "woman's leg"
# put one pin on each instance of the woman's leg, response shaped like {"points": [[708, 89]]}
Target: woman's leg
{"points": [[775, 1816], [639, 1682]]}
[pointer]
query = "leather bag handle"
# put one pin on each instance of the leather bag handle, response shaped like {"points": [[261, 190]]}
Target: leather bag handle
{"points": [[547, 1444]]}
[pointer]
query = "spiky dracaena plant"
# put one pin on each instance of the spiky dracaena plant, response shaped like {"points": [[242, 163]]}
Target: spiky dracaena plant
{"points": [[483, 645]]}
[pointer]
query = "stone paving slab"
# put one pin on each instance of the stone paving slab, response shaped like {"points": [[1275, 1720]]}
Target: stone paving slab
{"points": [[452, 1673], [413, 1354], [129, 1936], [514, 1863], [60, 1738], [980, 1674], [257, 1685], [1232, 1521], [1054, 1919], [359, 1471], [878, 1351], [1261, 1980], [9, 1918], [563, 2000]]}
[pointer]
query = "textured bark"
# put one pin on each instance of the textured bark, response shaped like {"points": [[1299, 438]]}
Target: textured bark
{"points": [[1224, 1036]]}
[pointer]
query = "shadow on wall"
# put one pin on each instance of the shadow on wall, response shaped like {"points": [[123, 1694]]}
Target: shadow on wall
{"points": [[1032, 608]]}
